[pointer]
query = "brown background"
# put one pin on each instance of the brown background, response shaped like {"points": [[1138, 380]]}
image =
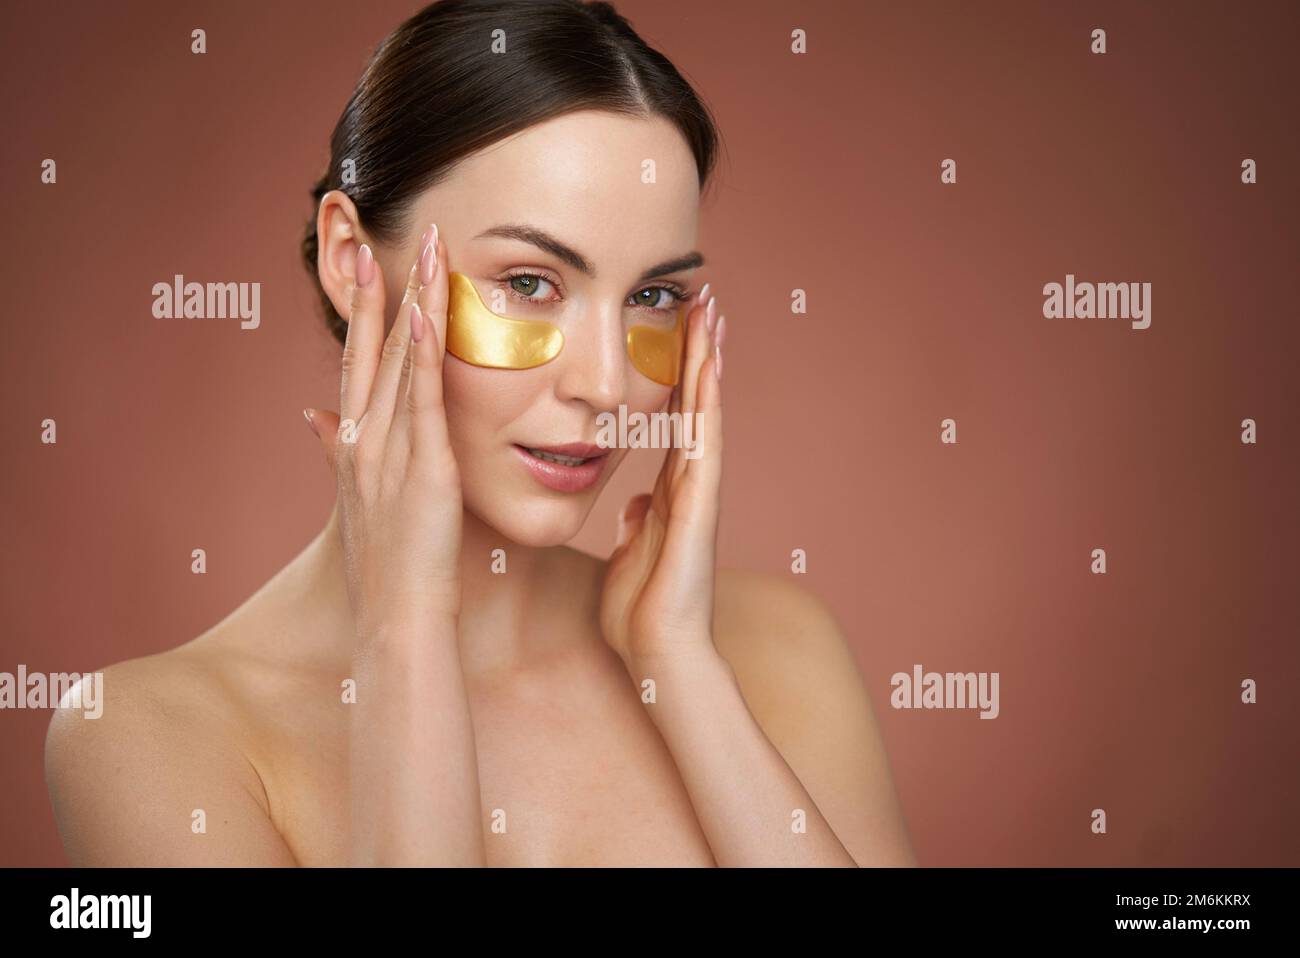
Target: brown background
{"points": [[1117, 691]]}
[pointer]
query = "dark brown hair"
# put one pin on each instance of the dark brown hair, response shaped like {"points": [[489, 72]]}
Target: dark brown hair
{"points": [[434, 93]]}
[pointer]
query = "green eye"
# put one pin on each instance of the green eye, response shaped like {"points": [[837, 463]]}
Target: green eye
{"points": [[525, 285], [649, 297]]}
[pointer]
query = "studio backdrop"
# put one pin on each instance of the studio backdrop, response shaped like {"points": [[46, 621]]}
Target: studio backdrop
{"points": [[1011, 377]]}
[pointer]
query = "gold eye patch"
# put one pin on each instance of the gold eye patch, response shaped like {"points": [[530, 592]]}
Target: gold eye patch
{"points": [[657, 353], [478, 336]]}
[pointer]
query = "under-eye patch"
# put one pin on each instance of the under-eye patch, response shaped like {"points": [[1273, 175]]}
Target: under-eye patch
{"points": [[478, 336], [657, 352]]}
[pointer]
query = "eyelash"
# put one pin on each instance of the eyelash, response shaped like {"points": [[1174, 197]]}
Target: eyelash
{"points": [[678, 294]]}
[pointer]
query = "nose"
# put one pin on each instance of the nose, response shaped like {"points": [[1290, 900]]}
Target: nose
{"points": [[593, 362]]}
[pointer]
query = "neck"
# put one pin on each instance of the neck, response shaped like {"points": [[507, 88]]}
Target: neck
{"points": [[505, 617]]}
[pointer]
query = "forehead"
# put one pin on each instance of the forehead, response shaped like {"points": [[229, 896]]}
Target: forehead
{"points": [[614, 187]]}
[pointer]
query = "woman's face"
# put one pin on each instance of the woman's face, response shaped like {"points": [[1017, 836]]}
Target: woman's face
{"points": [[588, 222]]}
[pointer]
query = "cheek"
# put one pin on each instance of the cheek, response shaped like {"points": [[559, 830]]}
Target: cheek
{"points": [[645, 395], [481, 403]]}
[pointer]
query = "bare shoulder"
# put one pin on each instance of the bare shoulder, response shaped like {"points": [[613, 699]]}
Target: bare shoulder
{"points": [[805, 688], [154, 773], [764, 623]]}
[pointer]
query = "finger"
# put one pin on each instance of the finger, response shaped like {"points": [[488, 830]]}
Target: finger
{"points": [[690, 536], [698, 344], [660, 493], [433, 276], [699, 335], [422, 418], [675, 399], [702, 482], [424, 412], [365, 334], [383, 397], [434, 295], [426, 265], [325, 425]]}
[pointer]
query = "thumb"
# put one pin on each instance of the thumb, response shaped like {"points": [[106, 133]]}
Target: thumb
{"points": [[325, 425], [631, 519]]}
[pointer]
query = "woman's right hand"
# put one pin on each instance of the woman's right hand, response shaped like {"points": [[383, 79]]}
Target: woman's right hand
{"points": [[399, 493], [411, 734]]}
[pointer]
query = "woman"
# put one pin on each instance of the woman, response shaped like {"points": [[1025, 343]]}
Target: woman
{"points": [[437, 679]]}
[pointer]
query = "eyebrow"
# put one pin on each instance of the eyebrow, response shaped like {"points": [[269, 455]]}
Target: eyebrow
{"points": [[545, 241]]}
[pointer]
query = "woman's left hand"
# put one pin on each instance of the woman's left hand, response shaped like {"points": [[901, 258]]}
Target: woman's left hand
{"points": [[658, 593]]}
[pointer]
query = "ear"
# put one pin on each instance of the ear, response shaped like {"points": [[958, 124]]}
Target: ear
{"points": [[338, 238]]}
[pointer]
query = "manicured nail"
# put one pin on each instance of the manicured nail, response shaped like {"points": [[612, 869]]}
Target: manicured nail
{"points": [[711, 313], [427, 263], [311, 422], [417, 323], [434, 229], [717, 362], [704, 291], [720, 332], [365, 265]]}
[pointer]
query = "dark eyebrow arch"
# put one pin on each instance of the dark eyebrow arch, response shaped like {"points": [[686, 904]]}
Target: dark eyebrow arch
{"points": [[691, 260], [545, 241]]}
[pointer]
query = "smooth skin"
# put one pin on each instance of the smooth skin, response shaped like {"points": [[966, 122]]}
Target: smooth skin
{"points": [[499, 719]]}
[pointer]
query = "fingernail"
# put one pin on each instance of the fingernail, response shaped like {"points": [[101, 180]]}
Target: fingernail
{"points": [[365, 265], [717, 362], [720, 333], [417, 323], [311, 422], [703, 293], [426, 265], [711, 313], [434, 229]]}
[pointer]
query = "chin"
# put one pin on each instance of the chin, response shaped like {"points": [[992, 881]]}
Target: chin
{"points": [[528, 509], [539, 523]]}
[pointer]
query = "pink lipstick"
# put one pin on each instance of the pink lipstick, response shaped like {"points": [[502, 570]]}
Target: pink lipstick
{"points": [[569, 467]]}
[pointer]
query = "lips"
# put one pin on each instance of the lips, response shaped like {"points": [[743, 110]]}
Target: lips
{"points": [[570, 467]]}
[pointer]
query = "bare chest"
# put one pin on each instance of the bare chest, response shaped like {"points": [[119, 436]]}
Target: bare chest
{"points": [[572, 772]]}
